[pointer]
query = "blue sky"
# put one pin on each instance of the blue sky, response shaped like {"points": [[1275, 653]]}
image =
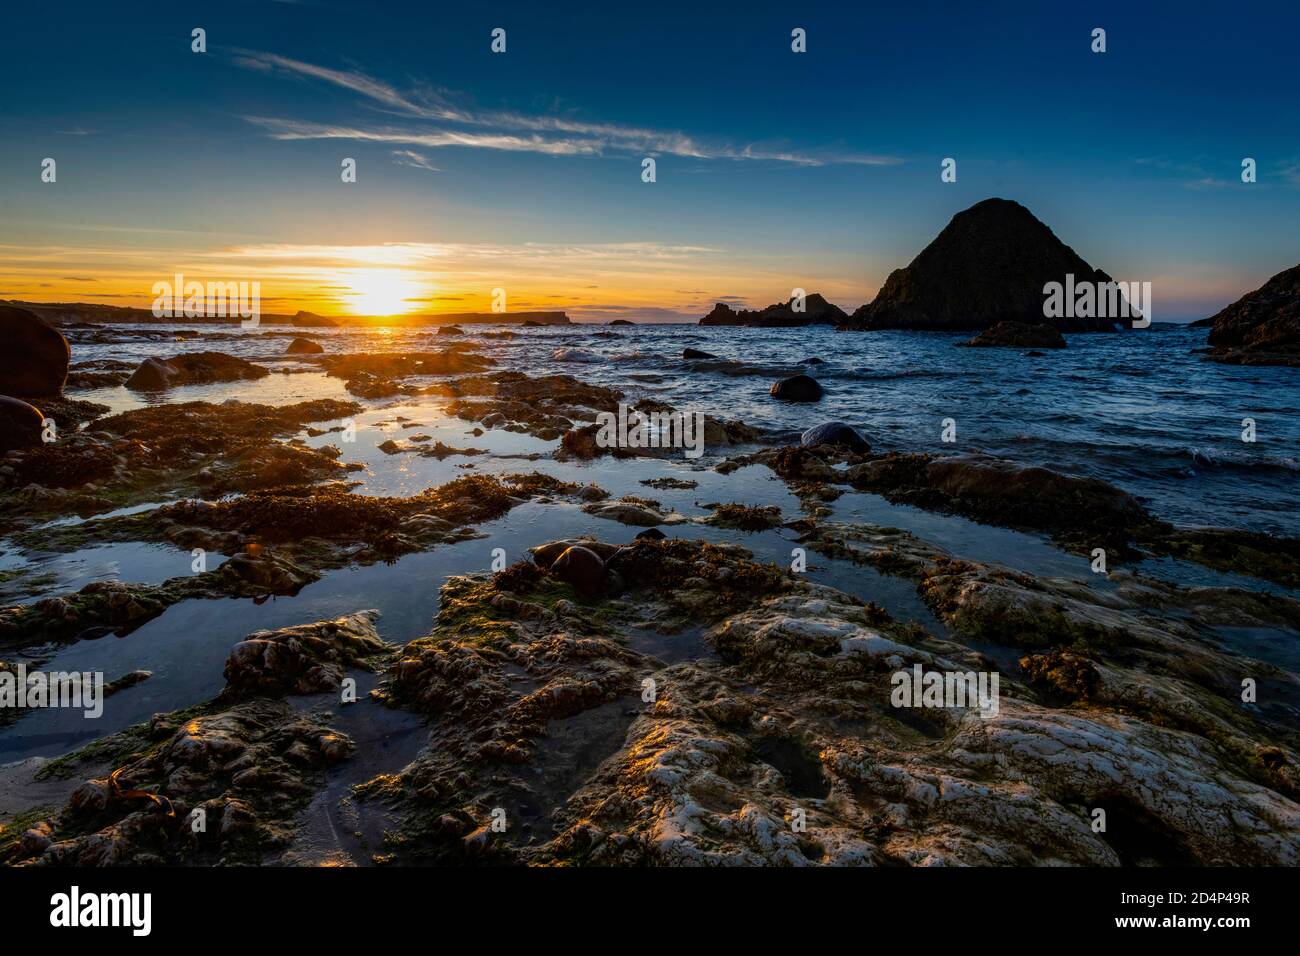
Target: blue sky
{"points": [[521, 170]]}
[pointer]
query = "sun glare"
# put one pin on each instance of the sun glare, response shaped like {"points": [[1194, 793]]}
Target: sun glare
{"points": [[380, 292]]}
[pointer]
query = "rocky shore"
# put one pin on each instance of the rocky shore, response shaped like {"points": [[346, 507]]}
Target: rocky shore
{"points": [[691, 672]]}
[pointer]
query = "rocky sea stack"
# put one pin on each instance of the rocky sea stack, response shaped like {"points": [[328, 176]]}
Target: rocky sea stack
{"points": [[781, 315], [988, 265], [1262, 327]]}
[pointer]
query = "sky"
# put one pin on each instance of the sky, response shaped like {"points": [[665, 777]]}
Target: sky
{"points": [[522, 170]]}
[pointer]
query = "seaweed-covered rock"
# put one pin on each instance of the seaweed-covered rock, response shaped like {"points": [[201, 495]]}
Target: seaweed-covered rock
{"points": [[306, 659], [195, 368]]}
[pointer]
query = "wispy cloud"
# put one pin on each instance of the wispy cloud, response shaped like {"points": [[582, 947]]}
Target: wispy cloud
{"points": [[409, 157], [426, 115], [1202, 175]]}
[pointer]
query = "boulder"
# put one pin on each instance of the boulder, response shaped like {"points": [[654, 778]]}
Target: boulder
{"points": [[33, 355], [1019, 335], [301, 346], [195, 368], [697, 354], [835, 433], [582, 568], [20, 424], [988, 265], [450, 330], [797, 388]]}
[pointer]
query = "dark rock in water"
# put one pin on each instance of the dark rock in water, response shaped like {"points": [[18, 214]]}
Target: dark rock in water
{"points": [[1262, 327], [1034, 353], [813, 361], [33, 355], [622, 322], [582, 568], [797, 388], [301, 346], [450, 330], [195, 368], [988, 265], [20, 424], [835, 433], [651, 534], [530, 324], [1019, 335], [782, 315], [697, 354], [312, 320]]}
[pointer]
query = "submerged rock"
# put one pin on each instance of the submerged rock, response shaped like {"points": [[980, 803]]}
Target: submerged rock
{"points": [[195, 368], [797, 388], [33, 355], [1019, 335], [835, 433], [689, 354]]}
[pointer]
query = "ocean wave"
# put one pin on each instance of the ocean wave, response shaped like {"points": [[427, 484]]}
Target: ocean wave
{"points": [[576, 355], [1223, 458]]}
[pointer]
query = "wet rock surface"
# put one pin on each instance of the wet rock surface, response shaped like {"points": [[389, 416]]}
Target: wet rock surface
{"points": [[196, 368], [633, 687]]}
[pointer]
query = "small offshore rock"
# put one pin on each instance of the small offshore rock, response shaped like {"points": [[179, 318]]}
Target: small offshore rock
{"points": [[797, 388], [835, 433]]}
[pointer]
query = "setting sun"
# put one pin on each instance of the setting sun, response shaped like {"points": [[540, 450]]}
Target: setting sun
{"points": [[380, 292]]}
